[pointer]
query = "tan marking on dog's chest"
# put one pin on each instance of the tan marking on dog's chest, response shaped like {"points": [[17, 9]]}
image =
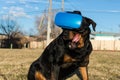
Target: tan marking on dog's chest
{"points": [[68, 58], [39, 76]]}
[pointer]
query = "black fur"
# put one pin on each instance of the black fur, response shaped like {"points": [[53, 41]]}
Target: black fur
{"points": [[52, 59]]}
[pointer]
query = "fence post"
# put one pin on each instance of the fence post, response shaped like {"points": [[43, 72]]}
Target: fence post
{"points": [[11, 46]]}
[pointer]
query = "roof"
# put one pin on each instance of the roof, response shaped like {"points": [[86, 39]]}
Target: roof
{"points": [[105, 34]]}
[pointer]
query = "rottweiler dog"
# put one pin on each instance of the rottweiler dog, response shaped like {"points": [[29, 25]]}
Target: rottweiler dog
{"points": [[65, 55]]}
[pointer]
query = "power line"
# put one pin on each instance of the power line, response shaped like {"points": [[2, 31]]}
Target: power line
{"points": [[35, 12], [98, 11], [72, 5]]}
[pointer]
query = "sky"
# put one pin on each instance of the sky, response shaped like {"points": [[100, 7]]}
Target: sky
{"points": [[106, 13]]}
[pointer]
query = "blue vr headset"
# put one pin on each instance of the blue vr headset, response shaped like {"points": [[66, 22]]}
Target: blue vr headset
{"points": [[68, 20]]}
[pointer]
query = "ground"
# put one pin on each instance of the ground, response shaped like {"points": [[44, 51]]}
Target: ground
{"points": [[14, 64]]}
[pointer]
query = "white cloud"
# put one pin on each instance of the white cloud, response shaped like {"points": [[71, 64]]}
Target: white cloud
{"points": [[37, 1], [1, 12], [28, 6], [22, 1], [10, 2], [36, 8], [5, 17], [4, 8], [14, 8], [18, 12]]}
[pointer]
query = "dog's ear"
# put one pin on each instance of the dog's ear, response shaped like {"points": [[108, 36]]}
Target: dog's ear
{"points": [[90, 21]]}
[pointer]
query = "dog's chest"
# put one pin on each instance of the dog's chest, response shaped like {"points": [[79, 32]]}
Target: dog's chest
{"points": [[68, 58], [72, 56]]}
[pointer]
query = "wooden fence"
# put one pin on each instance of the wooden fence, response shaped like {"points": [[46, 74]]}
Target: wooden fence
{"points": [[106, 45], [37, 44], [97, 44]]}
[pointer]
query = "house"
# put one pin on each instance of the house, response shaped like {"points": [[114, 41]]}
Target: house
{"points": [[105, 36], [105, 41]]}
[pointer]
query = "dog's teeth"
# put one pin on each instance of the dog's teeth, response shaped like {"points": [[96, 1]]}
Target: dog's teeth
{"points": [[70, 46]]}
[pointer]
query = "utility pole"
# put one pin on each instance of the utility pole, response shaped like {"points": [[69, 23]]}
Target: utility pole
{"points": [[62, 5], [119, 28], [49, 21]]}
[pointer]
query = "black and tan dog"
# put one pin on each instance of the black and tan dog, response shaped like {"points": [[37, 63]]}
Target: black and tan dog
{"points": [[63, 56]]}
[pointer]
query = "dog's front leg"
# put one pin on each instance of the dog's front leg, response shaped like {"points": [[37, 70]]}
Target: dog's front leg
{"points": [[59, 51], [55, 72], [84, 73]]}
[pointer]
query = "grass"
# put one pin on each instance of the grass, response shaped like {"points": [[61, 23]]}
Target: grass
{"points": [[14, 64], [104, 66]]}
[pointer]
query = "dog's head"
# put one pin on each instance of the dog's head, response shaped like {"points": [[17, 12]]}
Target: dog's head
{"points": [[76, 38]]}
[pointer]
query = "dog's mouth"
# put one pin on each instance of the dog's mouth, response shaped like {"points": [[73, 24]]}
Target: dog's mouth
{"points": [[76, 38], [76, 41]]}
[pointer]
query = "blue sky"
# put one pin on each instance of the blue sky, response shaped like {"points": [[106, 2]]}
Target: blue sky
{"points": [[106, 13]]}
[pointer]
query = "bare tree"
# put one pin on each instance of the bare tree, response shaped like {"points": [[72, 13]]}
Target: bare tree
{"points": [[10, 28], [42, 23]]}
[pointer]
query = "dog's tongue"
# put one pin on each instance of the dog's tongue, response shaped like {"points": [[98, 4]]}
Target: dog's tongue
{"points": [[76, 38]]}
